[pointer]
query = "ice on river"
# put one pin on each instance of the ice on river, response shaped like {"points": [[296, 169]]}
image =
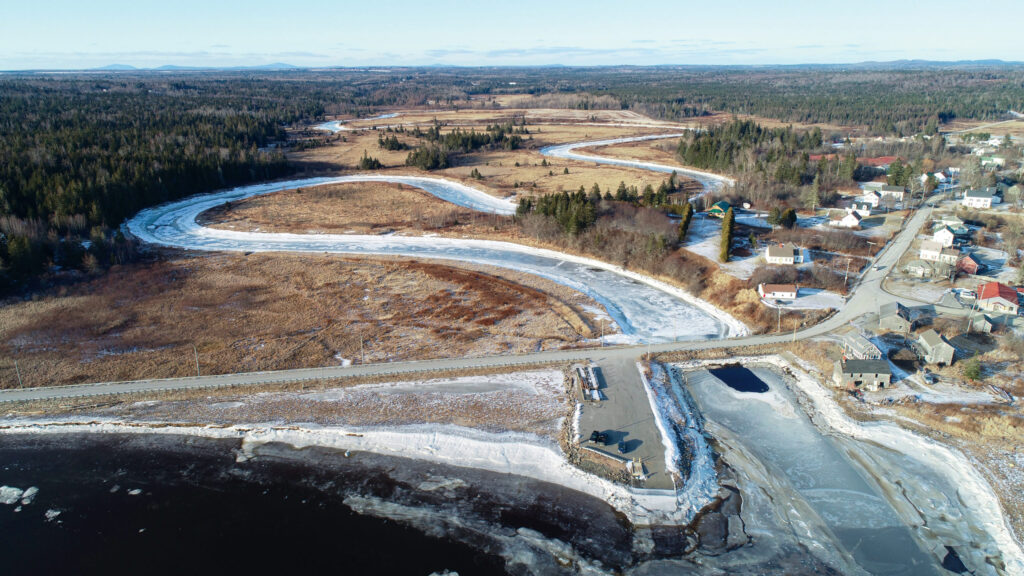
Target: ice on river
{"points": [[568, 151], [645, 309]]}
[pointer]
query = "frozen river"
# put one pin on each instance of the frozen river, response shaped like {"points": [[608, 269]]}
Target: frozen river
{"points": [[708, 180], [646, 310]]}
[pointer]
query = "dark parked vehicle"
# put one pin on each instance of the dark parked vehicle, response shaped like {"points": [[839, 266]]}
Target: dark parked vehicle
{"points": [[601, 437], [622, 447]]}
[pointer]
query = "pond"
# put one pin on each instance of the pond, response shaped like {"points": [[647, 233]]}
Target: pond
{"points": [[740, 379]]}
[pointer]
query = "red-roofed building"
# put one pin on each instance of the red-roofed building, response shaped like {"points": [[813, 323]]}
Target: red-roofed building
{"points": [[996, 297], [968, 265]]}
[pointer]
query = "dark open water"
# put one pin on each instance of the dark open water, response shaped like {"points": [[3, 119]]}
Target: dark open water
{"points": [[198, 513]]}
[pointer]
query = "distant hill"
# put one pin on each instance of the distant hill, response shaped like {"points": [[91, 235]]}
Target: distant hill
{"points": [[116, 67]]}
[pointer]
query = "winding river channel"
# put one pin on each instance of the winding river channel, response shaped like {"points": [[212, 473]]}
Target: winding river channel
{"points": [[645, 309]]}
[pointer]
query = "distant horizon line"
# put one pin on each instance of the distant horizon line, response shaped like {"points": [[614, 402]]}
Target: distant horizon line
{"points": [[282, 66]]}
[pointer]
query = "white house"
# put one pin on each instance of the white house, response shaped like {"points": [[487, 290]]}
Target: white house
{"points": [[872, 197], [895, 192], [778, 291], [980, 198], [782, 254], [849, 220], [944, 236], [933, 251], [864, 210]]}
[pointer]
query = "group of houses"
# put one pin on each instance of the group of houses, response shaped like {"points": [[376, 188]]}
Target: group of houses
{"points": [[876, 194], [945, 251], [864, 367]]}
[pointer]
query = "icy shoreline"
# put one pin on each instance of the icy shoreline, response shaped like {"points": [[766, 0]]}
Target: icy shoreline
{"points": [[519, 454]]}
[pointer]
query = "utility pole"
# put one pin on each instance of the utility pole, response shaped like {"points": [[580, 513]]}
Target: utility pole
{"points": [[846, 278], [778, 309], [362, 357], [196, 352], [18, 370]]}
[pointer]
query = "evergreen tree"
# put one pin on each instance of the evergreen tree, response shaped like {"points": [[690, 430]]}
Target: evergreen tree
{"points": [[788, 219], [684, 224], [728, 228]]}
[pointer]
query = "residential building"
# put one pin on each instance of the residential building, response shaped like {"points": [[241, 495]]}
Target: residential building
{"points": [[778, 291], [935, 252], [997, 161], [926, 269], [945, 236], [849, 220], [718, 209], [935, 349], [872, 198], [857, 374], [980, 198], [782, 254], [950, 220], [996, 297], [862, 209], [858, 347], [895, 317], [894, 192]]}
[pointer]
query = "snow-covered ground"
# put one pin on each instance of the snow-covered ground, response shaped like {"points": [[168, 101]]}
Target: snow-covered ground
{"points": [[704, 238], [709, 180], [809, 299], [646, 309]]}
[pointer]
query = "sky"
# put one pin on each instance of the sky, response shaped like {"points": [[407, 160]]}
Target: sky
{"points": [[77, 34]]}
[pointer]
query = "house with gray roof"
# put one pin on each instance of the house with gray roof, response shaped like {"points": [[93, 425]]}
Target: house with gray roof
{"points": [[981, 198], [895, 317], [858, 347], [935, 349], [858, 374]]}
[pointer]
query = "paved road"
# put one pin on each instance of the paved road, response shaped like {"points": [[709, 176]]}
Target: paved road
{"points": [[866, 297]]}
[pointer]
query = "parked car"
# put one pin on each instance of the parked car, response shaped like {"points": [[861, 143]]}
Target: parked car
{"points": [[622, 447], [930, 378], [599, 437]]}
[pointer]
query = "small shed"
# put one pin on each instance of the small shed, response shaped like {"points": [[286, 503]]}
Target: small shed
{"points": [[968, 265], [982, 324], [935, 349]]}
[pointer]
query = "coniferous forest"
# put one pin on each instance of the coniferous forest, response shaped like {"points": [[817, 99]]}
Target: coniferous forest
{"points": [[81, 152]]}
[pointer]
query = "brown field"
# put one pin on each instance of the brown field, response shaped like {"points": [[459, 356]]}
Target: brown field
{"points": [[1013, 128], [363, 208], [501, 175], [359, 208], [272, 311]]}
